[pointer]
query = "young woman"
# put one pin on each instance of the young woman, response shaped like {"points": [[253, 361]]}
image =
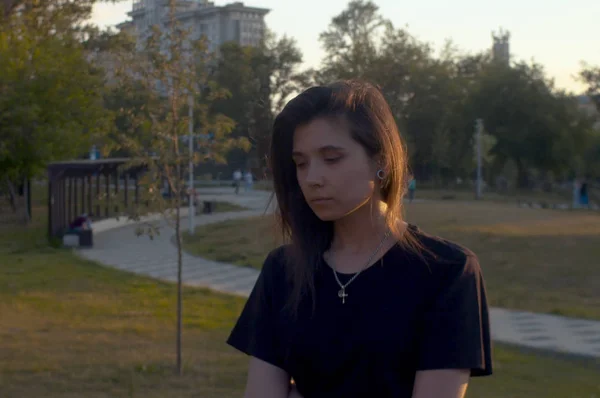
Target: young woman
{"points": [[360, 303]]}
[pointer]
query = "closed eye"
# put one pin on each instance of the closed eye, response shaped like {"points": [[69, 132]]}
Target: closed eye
{"points": [[333, 160]]}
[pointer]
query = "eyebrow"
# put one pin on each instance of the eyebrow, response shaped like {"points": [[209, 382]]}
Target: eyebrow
{"points": [[321, 149]]}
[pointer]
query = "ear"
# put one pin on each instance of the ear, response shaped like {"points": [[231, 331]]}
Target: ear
{"points": [[384, 167], [380, 170], [377, 164]]}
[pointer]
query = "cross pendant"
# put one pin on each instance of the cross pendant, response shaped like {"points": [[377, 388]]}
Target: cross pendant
{"points": [[342, 294]]}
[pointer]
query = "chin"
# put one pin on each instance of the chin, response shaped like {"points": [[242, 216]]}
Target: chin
{"points": [[339, 211], [327, 215]]}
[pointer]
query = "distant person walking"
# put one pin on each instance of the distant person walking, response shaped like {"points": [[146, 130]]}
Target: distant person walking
{"points": [[248, 180], [576, 190], [583, 194], [412, 188], [237, 180]]}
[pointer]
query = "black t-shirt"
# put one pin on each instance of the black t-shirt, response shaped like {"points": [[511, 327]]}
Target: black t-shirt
{"points": [[403, 314]]}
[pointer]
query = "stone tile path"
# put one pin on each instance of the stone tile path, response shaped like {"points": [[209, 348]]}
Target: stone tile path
{"points": [[116, 245]]}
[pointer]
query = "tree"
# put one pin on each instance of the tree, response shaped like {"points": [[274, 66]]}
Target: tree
{"points": [[172, 68], [352, 41], [591, 157], [261, 80], [429, 115], [284, 59], [535, 126], [278, 68], [126, 99], [422, 91], [50, 95], [9, 7], [436, 98], [591, 77]]}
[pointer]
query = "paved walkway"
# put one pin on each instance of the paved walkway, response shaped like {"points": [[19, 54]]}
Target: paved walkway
{"points": [[157, 258]]}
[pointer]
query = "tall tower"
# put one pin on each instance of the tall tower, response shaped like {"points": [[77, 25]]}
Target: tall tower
{"points": [[501, 47]]}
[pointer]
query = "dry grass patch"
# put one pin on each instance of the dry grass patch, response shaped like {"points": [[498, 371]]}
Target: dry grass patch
{"points": [[533, 259]]}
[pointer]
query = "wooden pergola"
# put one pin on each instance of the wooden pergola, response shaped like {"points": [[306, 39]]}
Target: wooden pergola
{"points": [[75, 188]]}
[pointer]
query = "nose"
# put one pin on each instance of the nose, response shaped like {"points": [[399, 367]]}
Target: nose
{"points": [[314, 175]]}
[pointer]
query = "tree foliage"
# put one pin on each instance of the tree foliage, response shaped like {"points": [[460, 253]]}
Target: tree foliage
{"points": [[51, 97], [261, 80], [535, 126], [436, 99], [352, 41], [590, 75], [53, 57]]}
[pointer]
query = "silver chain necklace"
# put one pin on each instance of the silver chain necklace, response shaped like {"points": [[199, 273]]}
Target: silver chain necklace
{"points": [[342, 292]]}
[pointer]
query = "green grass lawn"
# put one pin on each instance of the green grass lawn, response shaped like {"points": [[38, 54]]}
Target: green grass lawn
{"points": [[512, 197], [242, 242], [533, 259], [72, 328]]}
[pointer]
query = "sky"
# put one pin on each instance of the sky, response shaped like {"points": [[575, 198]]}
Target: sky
{"points": [[558, 34]]}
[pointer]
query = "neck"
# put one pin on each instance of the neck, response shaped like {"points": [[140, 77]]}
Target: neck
{"points": [[361, 228]]}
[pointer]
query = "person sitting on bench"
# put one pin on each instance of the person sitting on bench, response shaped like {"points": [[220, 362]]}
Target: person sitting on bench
{"points": [[81, 223]]}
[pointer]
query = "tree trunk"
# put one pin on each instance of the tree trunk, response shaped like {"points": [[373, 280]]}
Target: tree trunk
{"points": [[12, 195], [27, 197], [179, 274]]}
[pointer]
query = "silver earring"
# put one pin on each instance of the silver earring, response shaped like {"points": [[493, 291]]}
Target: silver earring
{"points": [[380, 174]]}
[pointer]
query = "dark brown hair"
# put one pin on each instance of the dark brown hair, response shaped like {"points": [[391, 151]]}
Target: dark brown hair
{"points": [[366, 112]]}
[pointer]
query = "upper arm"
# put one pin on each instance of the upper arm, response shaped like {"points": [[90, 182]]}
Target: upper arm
{"points": [[266, 380], [256, 333], [455, 331], [445, 383]]}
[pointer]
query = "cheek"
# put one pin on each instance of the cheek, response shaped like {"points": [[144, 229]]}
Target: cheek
{"points": [[361, 182], [356, 174], [349, 176], [301, 177]]}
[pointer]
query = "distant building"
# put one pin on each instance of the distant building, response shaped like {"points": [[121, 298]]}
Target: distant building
{"points": [[232, 22], [501, 47]]}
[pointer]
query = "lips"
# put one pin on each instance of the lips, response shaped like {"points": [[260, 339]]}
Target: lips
{"points": [[320, 200]]}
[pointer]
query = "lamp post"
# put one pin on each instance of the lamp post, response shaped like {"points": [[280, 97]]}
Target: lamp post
{"points": [[479, 130]]}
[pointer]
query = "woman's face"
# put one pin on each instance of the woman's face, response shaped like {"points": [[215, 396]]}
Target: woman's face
{"points": [[335, 174]]}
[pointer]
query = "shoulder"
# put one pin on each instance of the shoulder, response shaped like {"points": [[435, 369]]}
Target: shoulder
{"points": [[440, 248], [443, 257], [274, 266], [277, 256], [270, 284]]}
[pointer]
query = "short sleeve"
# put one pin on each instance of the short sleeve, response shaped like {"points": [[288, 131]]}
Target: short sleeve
{"points": [[456, 330], [255, 332]]}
